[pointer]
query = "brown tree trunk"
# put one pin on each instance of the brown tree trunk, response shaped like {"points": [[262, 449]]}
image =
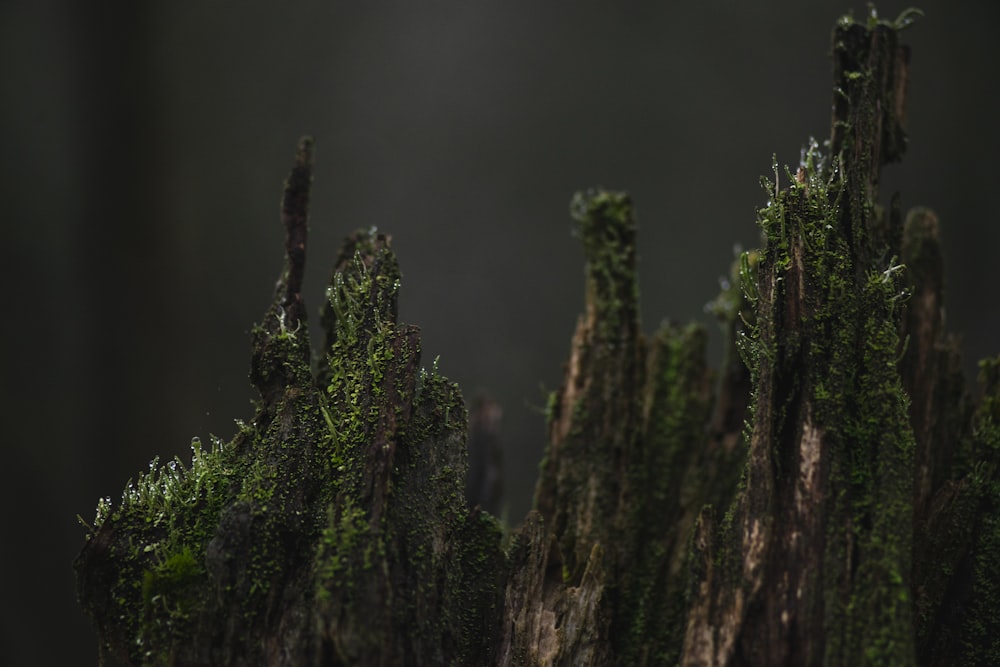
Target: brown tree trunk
{"points": [[830, 497]]}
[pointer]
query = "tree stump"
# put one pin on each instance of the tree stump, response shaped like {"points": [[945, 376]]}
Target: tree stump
{"points": [[830, 496]]}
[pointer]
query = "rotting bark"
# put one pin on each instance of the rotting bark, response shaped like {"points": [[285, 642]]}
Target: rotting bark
{"points": [[333, 519], [831, 552], [831, 496]]}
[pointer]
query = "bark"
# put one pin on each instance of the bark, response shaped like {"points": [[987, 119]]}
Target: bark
{"points": [[830, 496], [832, 553]]}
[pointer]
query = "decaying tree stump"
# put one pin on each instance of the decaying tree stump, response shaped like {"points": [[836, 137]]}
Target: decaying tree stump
{"points": [[829, 497]]}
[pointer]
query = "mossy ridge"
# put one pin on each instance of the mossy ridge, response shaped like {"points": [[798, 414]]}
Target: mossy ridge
{"points": [[629, 450], [830, 441], [157, 535], [595, 416], [665, 491], [830, 466], [931, 364], [605, 224], [956, 481], [347, 484], [400, 547], [876, 485], [849, 405], [959, 621], [223, 537]]}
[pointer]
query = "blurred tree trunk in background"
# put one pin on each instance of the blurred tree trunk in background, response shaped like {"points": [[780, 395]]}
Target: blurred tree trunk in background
{"points": [[829, 497]]}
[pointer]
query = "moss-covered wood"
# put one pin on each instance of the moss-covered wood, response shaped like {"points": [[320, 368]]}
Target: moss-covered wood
{"points": [[334, 518], [830, 496]]}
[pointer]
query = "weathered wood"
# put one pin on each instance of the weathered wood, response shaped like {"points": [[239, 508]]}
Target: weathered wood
{"points": [[831, 496], [331, 521], [831, 541]]}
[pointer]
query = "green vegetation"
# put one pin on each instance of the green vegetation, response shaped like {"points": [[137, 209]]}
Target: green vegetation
{"points": [[342, 499], [831, 495]]}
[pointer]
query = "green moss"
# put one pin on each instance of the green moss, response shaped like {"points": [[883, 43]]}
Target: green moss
{"points": [[169, 582], [676, 404], [397, 511], [346, 485], [606, 225], [826, 343], [340, 539], [979, 635]]}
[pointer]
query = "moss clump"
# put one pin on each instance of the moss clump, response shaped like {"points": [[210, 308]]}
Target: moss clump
{"points": [[831, 421], [398, 547], [331, 520], [157, 536], [606, 225]]}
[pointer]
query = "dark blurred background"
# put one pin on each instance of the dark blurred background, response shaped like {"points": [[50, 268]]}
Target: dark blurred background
{"points": [[144, 146]]}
